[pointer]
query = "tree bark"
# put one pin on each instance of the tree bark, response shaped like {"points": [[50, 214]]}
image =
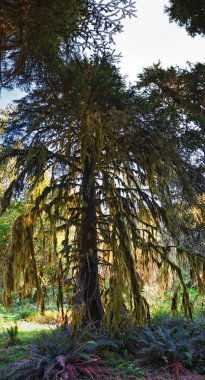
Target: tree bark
{"points": [[88, 274]]}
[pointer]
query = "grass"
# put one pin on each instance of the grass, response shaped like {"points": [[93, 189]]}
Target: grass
{"points": [[26, 332], [30, 324]]}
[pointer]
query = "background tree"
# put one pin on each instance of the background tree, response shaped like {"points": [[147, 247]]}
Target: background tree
{"points": [[183, 89], [190, 14]]}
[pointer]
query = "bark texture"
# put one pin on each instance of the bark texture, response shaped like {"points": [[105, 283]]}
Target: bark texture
{"points": [[88, 276]]}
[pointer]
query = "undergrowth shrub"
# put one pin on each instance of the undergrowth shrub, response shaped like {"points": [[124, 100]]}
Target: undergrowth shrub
{"points": [[176, 343], [170, 341], [59, 355]]}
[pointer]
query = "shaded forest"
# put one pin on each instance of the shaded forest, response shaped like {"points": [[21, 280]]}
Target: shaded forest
{"points": [[102, 199]]}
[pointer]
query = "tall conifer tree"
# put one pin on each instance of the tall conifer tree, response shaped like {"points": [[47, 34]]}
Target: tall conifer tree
{"points": [[102, 146]]}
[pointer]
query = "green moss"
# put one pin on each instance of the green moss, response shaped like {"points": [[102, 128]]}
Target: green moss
{"points": [[122, 364]]}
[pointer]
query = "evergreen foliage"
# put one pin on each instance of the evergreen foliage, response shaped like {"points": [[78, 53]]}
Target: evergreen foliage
{"points": [[190, 14], [35, 37], [180, 93]]}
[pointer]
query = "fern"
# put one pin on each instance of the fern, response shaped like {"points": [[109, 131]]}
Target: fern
{"points": [[174, 341], [11, 335], [59, 355]]}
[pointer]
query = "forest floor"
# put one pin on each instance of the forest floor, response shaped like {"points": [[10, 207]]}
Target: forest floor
{"points": [[121, 365]]}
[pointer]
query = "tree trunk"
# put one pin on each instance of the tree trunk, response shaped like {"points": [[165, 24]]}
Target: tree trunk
{"points": [[88, 274]]}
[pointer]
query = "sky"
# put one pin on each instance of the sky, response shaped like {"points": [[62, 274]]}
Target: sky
{"points": [[146, 40], [150, 38]]}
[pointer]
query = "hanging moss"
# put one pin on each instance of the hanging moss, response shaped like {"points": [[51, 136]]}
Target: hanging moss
{"points": [[20, 260]]}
